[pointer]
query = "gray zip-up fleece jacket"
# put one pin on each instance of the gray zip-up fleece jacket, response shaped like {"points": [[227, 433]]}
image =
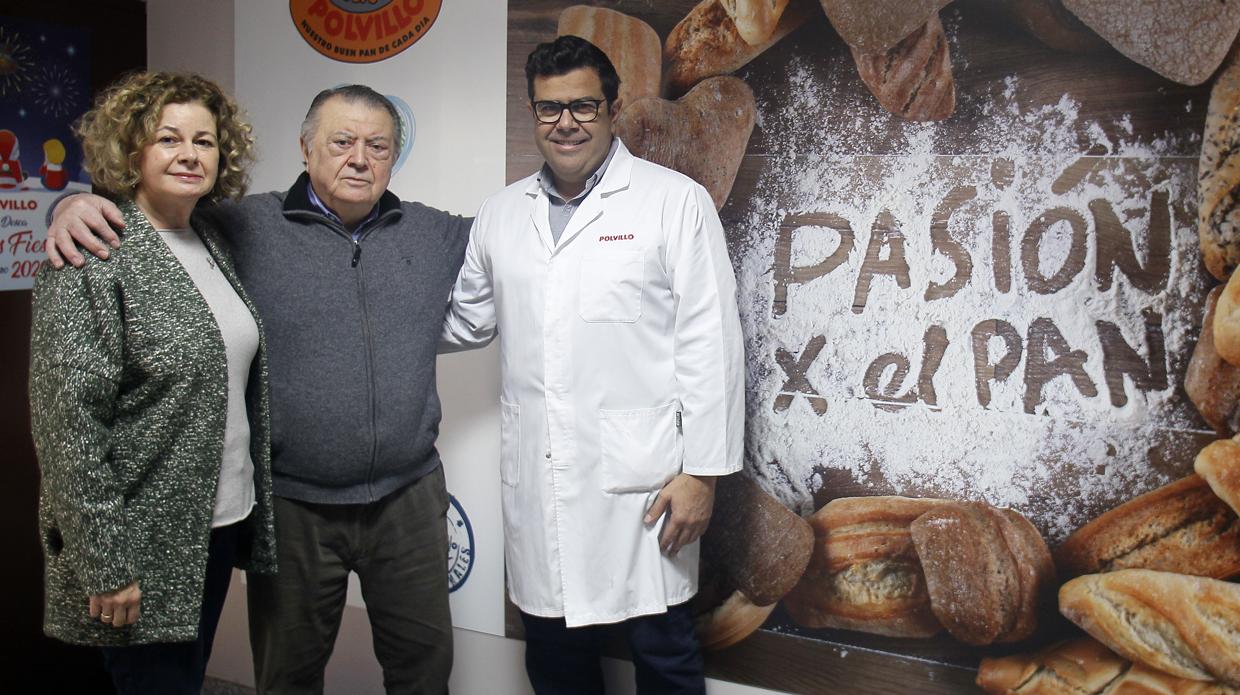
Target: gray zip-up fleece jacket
{"points": [[352, 330]]}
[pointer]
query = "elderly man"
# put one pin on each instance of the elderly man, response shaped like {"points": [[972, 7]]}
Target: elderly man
{"points": [[607, 280], [350, 285]]}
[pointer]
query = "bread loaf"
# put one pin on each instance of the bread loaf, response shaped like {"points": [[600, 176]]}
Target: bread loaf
{"points": [[1182, 40], [755, 20], [707, 43], [1213, 383], [864, 574], [1050, 23], [759, 545], [1227, 322], [730, 622], [1219, 465], [631, 44], [987, 571], [703, 135], [912, 79], [1181, 527], [1218, 174], [1083, 666], [1185, 626], [873, 26]]}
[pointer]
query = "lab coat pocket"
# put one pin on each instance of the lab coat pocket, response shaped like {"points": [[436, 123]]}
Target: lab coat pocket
{"points": [[509, 443], [610, 288], [641, 449]]}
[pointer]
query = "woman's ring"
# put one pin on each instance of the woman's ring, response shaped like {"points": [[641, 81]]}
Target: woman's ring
{"points": [[105, 616]]}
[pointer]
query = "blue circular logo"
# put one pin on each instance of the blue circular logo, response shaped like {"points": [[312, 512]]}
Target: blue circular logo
{"points": [[460, 545], [408, 127]]}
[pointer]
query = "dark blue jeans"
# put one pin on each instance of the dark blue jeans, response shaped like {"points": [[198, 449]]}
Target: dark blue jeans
{"points": [[667, 657], [176, 668]]}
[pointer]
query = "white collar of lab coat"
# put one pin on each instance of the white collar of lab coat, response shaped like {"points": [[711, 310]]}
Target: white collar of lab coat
{"points": [[615, 178]]}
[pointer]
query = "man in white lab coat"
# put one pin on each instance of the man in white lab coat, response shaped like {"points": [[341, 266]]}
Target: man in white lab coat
{"points": [[608, 281]]}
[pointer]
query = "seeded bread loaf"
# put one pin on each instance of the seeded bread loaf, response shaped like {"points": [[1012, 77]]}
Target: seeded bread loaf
{"points": [[912, 79], [1213, 383], [1181, 527], [1182, 625], [864, 574], [1218, 174]]}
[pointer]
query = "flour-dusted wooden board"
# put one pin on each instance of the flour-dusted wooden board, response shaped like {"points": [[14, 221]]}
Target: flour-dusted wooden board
{"points": [[999, 306]]}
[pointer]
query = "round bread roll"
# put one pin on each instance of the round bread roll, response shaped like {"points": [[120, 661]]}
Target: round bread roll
{"points": [[731, 621]]}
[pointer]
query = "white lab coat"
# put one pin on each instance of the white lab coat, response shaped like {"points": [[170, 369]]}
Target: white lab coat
{"points": [[621, 365]]}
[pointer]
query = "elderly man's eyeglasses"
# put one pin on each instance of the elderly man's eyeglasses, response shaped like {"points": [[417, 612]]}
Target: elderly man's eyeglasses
{"points": [[582, 110]]}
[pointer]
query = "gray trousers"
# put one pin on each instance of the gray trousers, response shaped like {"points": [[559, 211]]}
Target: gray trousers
{"points": [[398, 546]]}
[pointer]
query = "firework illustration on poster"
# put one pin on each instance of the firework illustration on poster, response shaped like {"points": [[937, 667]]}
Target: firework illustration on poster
{"points": [[44, 87]]}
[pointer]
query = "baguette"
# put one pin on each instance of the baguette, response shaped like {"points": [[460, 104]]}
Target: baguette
{"points": [[707, 43], [1181, 527], [703, 135], [755, 20], [1185, 626], [1182, 40], [912, 79], [864, 574], [987, 571], [1213, 383], [1218, 174], [631, 44], [1083, 666]]}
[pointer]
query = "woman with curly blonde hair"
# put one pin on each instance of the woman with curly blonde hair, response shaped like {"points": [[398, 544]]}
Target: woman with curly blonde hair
{"points": [[148, 396]]}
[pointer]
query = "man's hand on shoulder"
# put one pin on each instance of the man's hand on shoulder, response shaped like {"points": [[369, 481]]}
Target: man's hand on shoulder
{"points": [[85, 219], [687, 500]]}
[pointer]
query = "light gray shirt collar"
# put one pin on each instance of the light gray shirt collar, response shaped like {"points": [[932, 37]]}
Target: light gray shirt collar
{"points": [[560, 210]]}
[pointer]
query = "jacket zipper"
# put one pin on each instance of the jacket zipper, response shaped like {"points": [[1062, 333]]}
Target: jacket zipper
{"points": [[367, 334]]}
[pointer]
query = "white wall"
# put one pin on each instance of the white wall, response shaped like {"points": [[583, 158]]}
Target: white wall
{"points": [[454, 81]]}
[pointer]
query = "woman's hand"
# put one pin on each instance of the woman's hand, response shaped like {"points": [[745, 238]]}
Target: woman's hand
{"points": [[117, 608]]}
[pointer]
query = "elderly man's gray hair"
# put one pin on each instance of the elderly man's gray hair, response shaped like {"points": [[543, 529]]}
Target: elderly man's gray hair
{"points": [[354, 94]]}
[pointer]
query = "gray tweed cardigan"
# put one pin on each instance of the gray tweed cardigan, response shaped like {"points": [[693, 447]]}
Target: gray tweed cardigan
{"points": [[128, 393]]}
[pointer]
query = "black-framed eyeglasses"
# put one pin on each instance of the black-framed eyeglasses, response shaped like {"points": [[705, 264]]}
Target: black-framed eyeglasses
{"points": [[582, 110]]}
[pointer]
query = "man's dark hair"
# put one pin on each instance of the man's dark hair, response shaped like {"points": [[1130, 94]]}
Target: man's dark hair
{"points": [[353, 94], [568, 53]]}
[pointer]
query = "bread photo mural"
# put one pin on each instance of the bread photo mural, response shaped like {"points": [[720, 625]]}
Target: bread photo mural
{"points": [[983, 250]]}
